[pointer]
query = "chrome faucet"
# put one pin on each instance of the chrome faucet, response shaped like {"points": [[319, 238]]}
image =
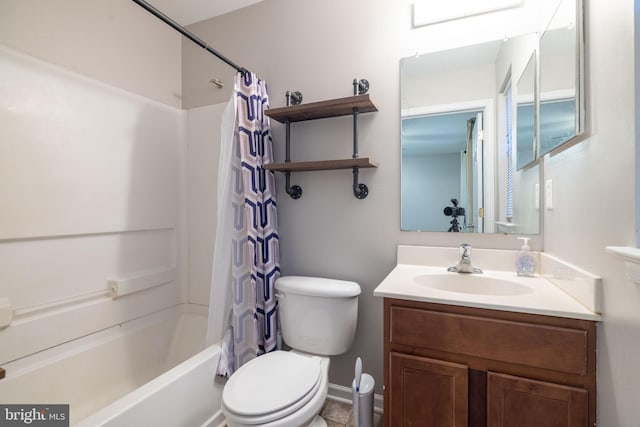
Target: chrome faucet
{"points": [[464, 263]]}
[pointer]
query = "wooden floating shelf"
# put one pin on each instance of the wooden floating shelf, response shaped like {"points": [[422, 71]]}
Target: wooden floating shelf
{"points": [[319, 165], [323, 109]]}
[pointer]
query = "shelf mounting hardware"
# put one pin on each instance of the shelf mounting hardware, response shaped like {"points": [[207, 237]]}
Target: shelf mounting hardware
{"points": [[354, 105], [360, 87], [293, 98]]}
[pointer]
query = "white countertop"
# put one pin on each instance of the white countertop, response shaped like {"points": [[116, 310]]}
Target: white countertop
{"points": [[540, 296]]}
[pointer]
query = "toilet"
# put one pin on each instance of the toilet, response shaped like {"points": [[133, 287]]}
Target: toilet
{"points": [[288, 388]]}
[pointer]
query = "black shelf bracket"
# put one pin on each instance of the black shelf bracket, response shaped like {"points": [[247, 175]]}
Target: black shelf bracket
{"points": [[293, 98], [360, 191], [294, 191]]}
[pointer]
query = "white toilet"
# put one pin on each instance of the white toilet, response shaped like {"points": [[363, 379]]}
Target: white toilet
{"points": [[288, 388]]}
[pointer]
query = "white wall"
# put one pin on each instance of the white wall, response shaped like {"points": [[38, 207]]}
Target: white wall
{"points": [[330, 233], [594, 200], [115, 42], [92, 176], [526, 211], [512, 61]]}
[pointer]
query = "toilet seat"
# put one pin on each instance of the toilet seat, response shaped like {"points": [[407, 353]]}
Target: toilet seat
{"points": [[271, 387]]}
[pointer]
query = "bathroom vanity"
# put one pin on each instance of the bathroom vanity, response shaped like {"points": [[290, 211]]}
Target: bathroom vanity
{"points": [[447, 365], [461, 352]]}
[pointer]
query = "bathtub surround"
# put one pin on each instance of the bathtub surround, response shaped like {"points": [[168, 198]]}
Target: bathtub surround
{"points": [[93, 187], [141, 365], [92, 190]]}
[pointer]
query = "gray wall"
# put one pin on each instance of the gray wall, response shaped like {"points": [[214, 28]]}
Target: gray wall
{"points": [[318, 47]]}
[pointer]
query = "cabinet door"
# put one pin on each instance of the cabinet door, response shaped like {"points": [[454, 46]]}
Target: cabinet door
{"points": [[521, 402], [427, 392]]}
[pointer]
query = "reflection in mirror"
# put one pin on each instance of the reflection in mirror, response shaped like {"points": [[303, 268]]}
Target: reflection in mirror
{"points": [[446, 166], [560, 95], [484, 185], [525, 115], [526, 201], [452, 174], [447, 163]]}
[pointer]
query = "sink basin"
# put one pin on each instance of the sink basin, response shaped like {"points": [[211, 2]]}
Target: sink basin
{"points": [[559, 290], [473, 284]]}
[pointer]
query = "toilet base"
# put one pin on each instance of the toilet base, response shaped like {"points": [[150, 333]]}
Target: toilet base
{"points": [[318, 422]]}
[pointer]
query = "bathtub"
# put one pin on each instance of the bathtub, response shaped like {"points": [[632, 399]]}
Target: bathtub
{"points": [[154, 370]]}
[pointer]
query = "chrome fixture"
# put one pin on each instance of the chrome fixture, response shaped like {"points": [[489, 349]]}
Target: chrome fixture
{"points": [[217, 82], [464, 263], [293, 98], [360, 86]]}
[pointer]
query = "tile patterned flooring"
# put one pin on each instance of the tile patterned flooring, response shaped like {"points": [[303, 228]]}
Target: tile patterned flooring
{"points": [[338, 414]]}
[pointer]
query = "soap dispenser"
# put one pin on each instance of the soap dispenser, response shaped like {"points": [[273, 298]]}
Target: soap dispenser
{"points": [[525, 261]]}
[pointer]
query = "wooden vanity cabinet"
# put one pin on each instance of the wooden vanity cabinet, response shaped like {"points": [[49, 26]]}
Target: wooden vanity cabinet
{"points": [[459, 366]]}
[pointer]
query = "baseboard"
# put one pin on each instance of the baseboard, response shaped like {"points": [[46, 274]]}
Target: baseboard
{"points": [[345, 395]]}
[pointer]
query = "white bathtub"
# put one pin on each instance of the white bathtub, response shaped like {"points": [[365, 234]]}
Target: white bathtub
{"points": [[151, 371]]}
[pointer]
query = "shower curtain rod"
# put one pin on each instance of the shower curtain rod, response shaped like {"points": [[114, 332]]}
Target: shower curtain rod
{"points": [[188, 34]]}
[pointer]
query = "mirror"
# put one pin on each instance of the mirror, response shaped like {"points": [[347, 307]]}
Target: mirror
{"points": [[467, 165], [561, 97], [525, 115], [454, 164]]}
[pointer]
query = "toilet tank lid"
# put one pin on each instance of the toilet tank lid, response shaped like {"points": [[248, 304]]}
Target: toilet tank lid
{"points": [[317, 286]]}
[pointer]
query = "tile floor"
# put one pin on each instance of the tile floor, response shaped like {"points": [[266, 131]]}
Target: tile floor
{"points": [[338, 414]]}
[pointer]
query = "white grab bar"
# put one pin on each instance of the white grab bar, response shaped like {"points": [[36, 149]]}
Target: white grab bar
{"points": [[140, 282], [6, 312]]}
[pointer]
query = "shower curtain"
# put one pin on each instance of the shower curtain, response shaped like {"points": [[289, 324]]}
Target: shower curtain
{"points": [[242, 308]]}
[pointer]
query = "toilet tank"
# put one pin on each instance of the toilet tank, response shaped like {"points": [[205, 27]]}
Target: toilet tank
{"points": [[317, 315]]}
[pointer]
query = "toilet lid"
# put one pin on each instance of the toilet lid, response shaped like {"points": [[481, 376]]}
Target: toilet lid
{"points": [[271, 383]]}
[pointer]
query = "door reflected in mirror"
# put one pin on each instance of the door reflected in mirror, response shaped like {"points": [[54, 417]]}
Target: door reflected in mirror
{"points": [[442, 164]]}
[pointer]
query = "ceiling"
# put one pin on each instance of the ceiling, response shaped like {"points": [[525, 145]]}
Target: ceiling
{"points": [[186, 12]]}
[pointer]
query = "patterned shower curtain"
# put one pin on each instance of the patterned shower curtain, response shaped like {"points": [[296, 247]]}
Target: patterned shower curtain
{"points": [[254, 246]]}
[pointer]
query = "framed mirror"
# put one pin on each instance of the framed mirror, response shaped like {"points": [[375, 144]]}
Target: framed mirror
{"points": [[460, 176], [562, 100]]}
